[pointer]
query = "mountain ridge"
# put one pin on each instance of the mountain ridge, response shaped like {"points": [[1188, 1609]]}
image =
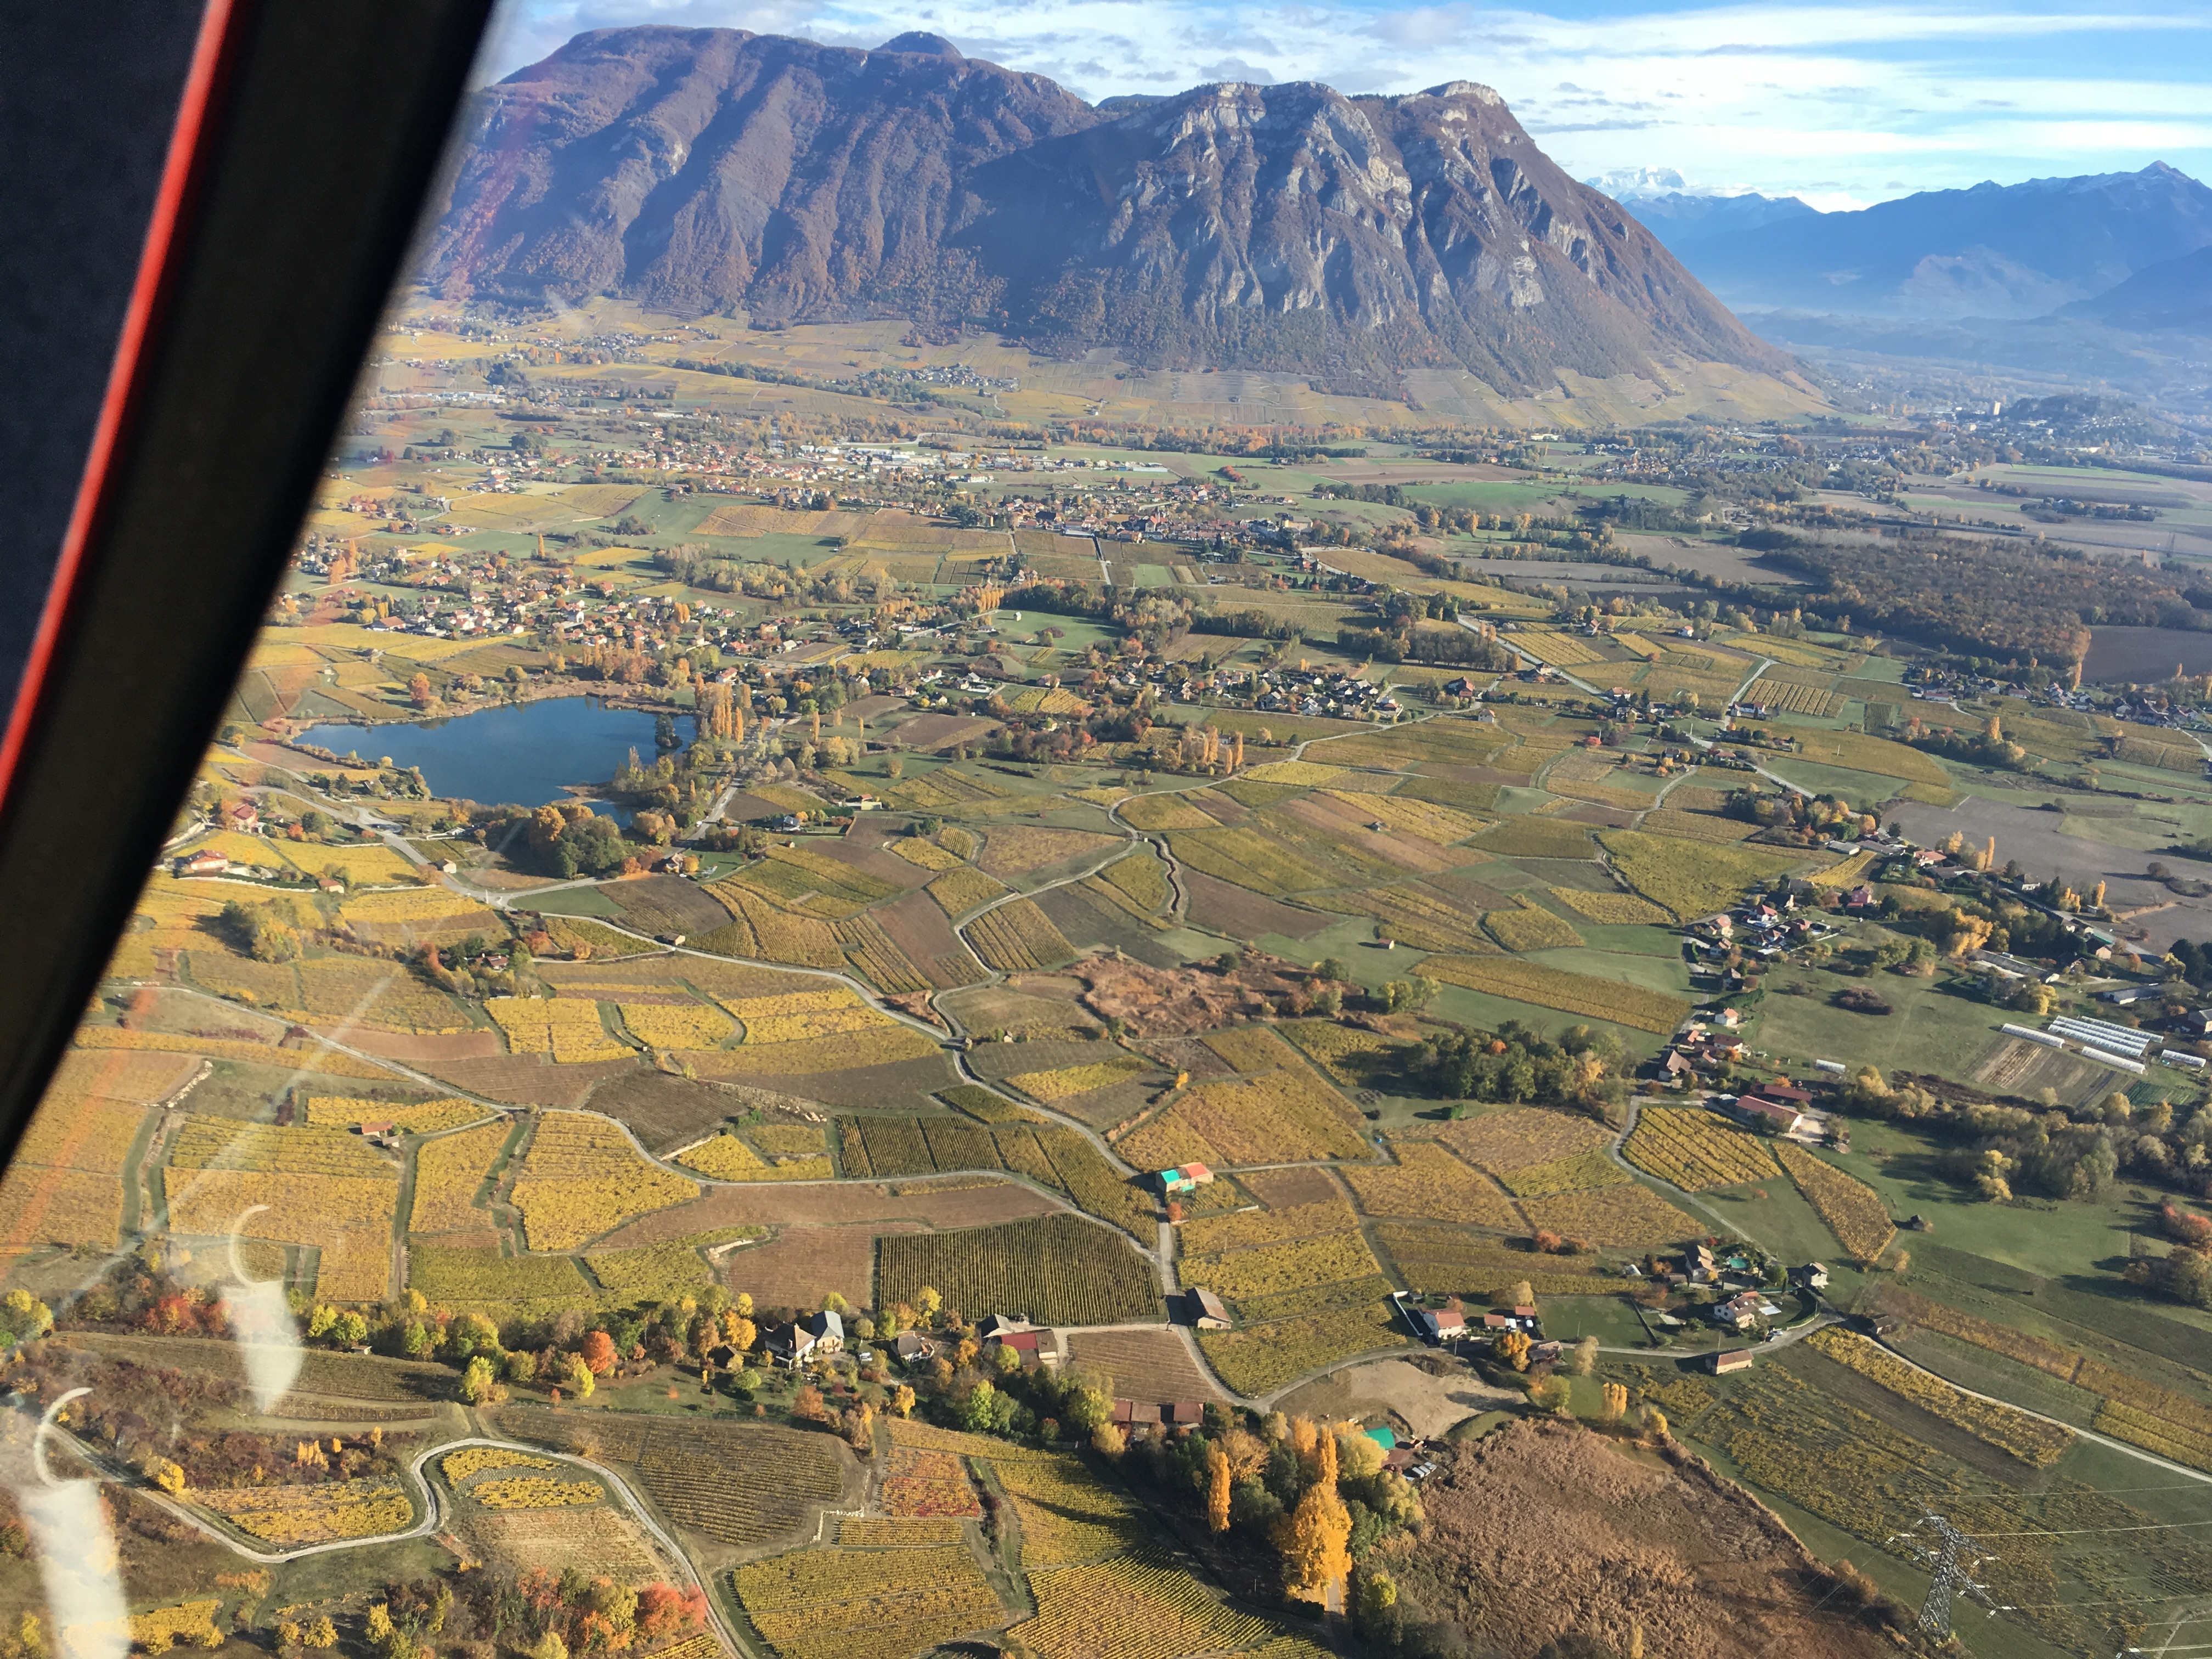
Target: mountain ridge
{"points": [[1990, 250], [1275, 228]]}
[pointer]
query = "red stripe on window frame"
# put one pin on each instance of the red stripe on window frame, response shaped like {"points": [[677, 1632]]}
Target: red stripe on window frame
{"points": [[159, 262]]}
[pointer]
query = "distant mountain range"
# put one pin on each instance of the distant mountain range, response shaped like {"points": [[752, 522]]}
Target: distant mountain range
{"points": [[1282, 228], [2174, 293], [1679, 215], [2002, 251]]}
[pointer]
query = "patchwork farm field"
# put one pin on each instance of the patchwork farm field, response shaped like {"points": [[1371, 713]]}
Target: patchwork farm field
{"points": [[934, 1024]]}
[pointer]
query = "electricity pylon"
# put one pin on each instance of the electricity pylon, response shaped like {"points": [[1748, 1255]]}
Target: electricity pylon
{"points": [[1952, 1560]]}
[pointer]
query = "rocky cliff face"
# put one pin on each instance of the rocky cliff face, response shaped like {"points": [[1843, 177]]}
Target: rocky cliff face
{"points": [[1283, 227]]}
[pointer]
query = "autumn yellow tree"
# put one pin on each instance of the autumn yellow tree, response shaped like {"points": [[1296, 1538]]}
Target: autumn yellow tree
{"points": [[1217, 1489], [1312, 1539], [1246, 1452], [1614, 1403], [1512, 1347]]}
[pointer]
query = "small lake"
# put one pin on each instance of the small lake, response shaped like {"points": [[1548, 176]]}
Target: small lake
{"points": [[2146, 655], [527, 753]]}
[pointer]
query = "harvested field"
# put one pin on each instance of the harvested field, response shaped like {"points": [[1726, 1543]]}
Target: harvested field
{"points": [[1015, 850], [1144, 1364], [1281, 1189], [665, 904], [1057, 1269], [1698, 826], [739, 1484], [398, 1045], [1285, 1116], [1467, 1264], [1627, 1214], [547, 1541], [1544, 987], [1696, 1564], [1090, 916], [1236, 913], [1542, 838], [527, 1080], [919, 927], [1430, 1181], [845, 1204], [1691, 879], [902, 1082], [1521, 1138], [801, 1265], [665, 1111]]}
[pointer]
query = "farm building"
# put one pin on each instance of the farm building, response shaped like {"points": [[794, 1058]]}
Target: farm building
{"points": [[1207, 1311], [1740, 1312], [1731, 1359], [820, 1333], [1775, 1117], [1812, 1276], [994, 1326], [203, 864], [1438, 1325]]}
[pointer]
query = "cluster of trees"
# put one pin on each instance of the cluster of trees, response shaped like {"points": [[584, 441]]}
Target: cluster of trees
{"points": [[570, 1349], [570, 839], [156, 1421], [2194, 960], [268, 931], [1806, 817], [1987, 747], [1397, 635], [1986, 596], [572, 1615], [1579, 1068], [1316, 1494], [2047, 1150]]}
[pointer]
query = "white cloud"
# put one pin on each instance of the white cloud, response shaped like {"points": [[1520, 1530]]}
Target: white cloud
{"points": [[1831, 101]]}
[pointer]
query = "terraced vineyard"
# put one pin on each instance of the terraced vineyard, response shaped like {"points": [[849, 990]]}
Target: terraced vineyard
{"points": [[1058, 1269], [866, 1604], [740, 1485]]}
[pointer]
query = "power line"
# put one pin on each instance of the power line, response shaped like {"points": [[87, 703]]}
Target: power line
{"points": [[1953, 1563], [2077, 1532]]}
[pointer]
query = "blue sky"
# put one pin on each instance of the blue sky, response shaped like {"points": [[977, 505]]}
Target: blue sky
{"points": [[1843, 105]]}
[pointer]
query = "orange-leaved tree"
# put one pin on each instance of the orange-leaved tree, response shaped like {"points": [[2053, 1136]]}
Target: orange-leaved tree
{"points": [[1217, 1489]]}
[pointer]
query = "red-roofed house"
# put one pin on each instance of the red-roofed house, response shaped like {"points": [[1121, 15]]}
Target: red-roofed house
{"points": [[1774, 1115]]}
